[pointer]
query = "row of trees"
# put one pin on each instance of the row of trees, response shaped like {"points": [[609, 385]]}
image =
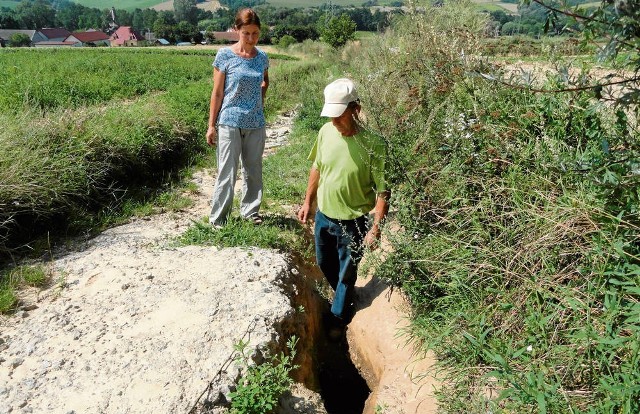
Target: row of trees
{"points": [[187, 22], [532, 18]]}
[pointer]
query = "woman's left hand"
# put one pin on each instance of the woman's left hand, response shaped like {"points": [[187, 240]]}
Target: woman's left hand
{"points": [[211, 136]]}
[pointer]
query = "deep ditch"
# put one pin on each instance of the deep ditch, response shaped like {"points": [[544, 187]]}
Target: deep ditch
{"points": [[324, 358]]}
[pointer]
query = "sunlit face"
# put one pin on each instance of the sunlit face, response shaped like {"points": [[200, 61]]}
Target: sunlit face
{"points": [[347, 121], [249, 34]]}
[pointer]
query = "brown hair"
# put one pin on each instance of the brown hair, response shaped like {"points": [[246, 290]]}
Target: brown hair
{"points": [[245, 17]]}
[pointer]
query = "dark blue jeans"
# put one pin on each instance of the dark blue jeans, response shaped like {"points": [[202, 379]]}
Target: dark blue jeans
{"points": [[338, 251]]}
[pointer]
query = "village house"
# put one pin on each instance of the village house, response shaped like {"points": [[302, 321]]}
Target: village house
{"points": [[34, 35], [55, 34], [126, 36], [89, 38], [230, 36]]}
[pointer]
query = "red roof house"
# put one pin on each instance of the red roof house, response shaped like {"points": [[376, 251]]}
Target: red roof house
{"points": [[126, 36], [228, 36], [89, 38]]}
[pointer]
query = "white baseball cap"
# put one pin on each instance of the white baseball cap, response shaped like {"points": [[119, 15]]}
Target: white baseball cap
{"points": [[337, 96]]}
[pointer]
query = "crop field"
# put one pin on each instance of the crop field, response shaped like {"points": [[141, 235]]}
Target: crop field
{"points": [[119, 4], [8, 3], [81, 127], [49, 79]]}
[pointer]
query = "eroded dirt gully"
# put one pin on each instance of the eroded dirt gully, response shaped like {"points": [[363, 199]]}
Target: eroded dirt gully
{"points": [[132, 323]]}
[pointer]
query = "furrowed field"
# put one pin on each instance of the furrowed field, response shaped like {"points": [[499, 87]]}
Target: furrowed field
{"points": [[83, 129]]}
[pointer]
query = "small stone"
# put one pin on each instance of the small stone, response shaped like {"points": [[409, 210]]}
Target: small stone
{"points": [[17, 362]]}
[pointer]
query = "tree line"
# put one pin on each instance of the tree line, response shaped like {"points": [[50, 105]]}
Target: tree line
{"points": [[187, 22]]}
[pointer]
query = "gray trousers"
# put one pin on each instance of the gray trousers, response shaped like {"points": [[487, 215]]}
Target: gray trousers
{"points": [[235, 145]]}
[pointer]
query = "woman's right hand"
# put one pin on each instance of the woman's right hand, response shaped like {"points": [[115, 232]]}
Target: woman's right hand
{"points": [[211, 136]]}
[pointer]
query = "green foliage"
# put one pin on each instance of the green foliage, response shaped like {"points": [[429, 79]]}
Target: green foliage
{"points": [[186, 11], [19, 40], [8, 298], [262, 384], [338, 30], [614, 27], [516, 234], [286, 41]]}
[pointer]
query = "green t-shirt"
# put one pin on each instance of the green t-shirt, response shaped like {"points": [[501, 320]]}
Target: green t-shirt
{"points": [[351, 172]]}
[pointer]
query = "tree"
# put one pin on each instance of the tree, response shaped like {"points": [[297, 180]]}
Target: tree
{"points": [[149, 16], [338, 31], [186, 32], [137, 20], [186, 11], [8, 19], [164, 26], [19, 40], [35, 14]]}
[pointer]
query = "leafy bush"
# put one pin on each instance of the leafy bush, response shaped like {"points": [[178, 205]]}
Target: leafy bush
{"points": [[263, 384], [19, 40], [286, 41]]}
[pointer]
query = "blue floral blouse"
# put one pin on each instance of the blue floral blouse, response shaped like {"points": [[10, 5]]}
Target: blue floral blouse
{"points": [[242, 102]]}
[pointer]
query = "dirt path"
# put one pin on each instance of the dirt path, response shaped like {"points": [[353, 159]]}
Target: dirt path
{"points": [[136, 324]]}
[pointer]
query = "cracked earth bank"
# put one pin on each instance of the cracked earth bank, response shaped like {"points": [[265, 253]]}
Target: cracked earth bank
{"points": [[135, 324]]}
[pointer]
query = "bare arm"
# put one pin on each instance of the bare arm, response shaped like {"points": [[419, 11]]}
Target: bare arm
{"points": [[217, 94], [264, 86], [310, 197], [380, 212]]}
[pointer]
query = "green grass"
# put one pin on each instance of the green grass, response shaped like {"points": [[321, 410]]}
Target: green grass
{"points": [[18, 278], [119, 4]]}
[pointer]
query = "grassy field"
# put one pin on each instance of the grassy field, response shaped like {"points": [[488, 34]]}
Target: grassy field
{"points": [[8, 3], [48, 79], [119, 4], [78, 124]]}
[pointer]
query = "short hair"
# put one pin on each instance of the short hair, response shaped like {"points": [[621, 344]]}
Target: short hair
{"points": [[246, 17]]}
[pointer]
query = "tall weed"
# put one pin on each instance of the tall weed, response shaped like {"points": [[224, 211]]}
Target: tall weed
{"points": [[518, 235]]}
